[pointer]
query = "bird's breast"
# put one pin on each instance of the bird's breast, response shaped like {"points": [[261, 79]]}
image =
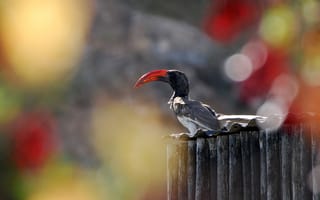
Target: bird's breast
{"points": [[177, 105]]}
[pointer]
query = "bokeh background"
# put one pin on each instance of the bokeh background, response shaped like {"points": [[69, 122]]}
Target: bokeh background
{"points": [[72, 126]]}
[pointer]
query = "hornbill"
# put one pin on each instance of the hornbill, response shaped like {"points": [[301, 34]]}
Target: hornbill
{"points": [[194, 115]]}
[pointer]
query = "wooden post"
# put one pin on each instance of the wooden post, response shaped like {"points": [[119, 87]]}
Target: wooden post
{"points": [[249, 165]]}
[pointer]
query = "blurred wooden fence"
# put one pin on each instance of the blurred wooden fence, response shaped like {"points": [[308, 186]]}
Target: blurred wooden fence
{"points": [[249, 165]]}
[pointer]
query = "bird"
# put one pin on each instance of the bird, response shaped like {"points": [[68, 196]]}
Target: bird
{"points": [[193, 115]]}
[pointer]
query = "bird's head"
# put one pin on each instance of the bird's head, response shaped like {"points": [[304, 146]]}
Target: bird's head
{"points": [[177, 80]]}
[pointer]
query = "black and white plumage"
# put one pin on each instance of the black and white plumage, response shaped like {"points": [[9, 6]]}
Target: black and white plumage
{"points": [[192, 114]]}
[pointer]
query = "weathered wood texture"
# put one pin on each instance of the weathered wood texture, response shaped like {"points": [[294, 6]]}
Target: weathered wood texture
{"points": [[253, 165]]}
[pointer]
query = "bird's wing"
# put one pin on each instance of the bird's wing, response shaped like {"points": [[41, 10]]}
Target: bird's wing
{"points": [[199, 113], [210, 109]]}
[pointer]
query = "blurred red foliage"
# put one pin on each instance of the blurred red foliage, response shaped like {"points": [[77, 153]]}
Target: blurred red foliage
{"points": [[227, 19], [33, 140], [259, 83], [307, 101]]}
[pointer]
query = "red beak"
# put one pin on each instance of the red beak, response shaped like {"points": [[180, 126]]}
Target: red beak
{"points": [[156, 75]]}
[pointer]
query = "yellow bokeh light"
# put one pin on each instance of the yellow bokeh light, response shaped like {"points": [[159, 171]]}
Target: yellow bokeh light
{"points": [[311, 11], [65, 191], [278, 26], [63, 181], [43, 39], [130, 141]]}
